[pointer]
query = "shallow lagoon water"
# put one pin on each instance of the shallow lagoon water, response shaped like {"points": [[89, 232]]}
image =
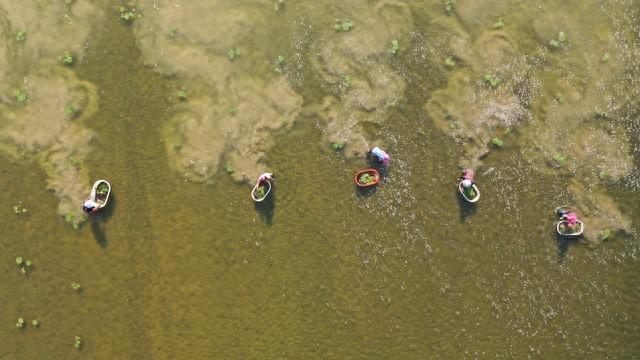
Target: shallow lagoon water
{"points": [[183, 266]]}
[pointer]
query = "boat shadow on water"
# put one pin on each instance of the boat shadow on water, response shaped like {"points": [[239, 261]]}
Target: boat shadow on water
{"points": [[365, 192], [266, 207], [564, 243], [467, 209], [102, 217]]}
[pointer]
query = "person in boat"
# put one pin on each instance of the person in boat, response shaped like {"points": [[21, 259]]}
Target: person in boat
{"points": [[264, 178], [380, 156], [469, 176], [90, 206], [570, 217]]}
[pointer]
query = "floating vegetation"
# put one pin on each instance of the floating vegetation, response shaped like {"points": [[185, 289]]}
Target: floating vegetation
{"points": [[172, 32], [228, 168], [70, 218], [71, 110], [19, 209], [338, 145], [560, 159], [77, 342], [20, 323], [600, 115], [232, 110], [492, 80], [233, 53], [35, 323], [72, 160], [279, 5], [604, 58], [394, 47], [605, 234], [23, 265], [66, 58], [76, 286], [497, 142], [21, 35], [182, 94], [559, 98], [127, 14], [20, 95], [279, 62], [346, 82], [450, 62], [343, 27], [499, 24], [562, 37], [448, 7]]}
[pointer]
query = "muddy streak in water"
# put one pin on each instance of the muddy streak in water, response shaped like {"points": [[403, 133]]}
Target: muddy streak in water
{"points": [[563, 92], [353, 64], [234, 110], [39, 125]]}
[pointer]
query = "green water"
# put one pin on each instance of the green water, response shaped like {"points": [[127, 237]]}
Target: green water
{"points": [[181, 269]]}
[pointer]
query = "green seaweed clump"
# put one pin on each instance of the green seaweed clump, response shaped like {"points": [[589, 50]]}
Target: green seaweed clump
{"points": [[102, 189], [71, 110], [499, 24], [279, 62], [394, 47], [346, 82], [76, 286], [469, 192], [492, 80], [233, 53], [21, 35], [20, 96], [338, 145], [66, 58], [19, 209], [20, 322], [23, 265], [228, 168], [126, 14], [366, 179], [450, 62], [70, 217], [562, 37], [605, 234], [77, 342], [497, 142], [448, 7], [182, 94], [35, 323], [343, 27], [560, 159]]}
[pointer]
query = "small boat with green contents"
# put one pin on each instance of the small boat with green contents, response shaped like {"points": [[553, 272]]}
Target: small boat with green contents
{"points": [[568, 224], [467, 187], [470, 194], [98, 198], [262, 188], [367, 178]]}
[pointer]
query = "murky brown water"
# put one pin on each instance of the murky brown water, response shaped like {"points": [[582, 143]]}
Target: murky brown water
{"points": [[182, 265]]}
